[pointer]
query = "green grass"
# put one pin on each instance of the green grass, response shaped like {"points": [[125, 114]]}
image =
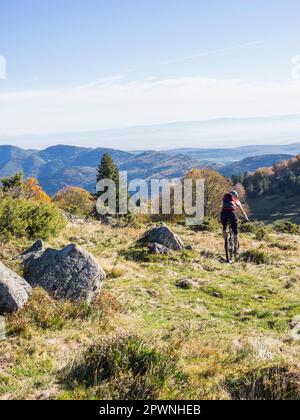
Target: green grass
{"points": [[235, 322], [123, 367]]}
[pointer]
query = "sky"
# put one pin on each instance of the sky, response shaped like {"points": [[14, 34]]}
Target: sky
{"points": [[80, 65]]}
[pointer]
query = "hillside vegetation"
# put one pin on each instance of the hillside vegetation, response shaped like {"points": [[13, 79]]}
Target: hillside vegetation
{"points": [[274, 192], [60, 166], [181, 323], [195, 326]]}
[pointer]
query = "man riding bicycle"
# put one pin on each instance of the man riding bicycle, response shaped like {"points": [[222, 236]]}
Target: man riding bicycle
{"points": [[231, 205]]}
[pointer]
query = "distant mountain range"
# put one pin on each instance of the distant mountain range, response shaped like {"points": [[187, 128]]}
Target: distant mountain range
{"points": [[61, 165], [216, 133], [238, 153]]}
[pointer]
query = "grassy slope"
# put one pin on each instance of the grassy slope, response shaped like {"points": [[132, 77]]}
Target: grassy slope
{"points": [[273, 208], [238, 319]]}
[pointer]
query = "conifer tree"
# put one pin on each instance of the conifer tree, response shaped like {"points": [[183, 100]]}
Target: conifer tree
{"points": [[108, 170]]}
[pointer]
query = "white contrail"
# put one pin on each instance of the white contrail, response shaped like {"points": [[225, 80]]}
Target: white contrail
{"points": [[117, 77], [194, 56]]}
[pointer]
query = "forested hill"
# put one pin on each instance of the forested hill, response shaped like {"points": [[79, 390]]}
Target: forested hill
{"points": [[281, 178], [274, 192], [59, 166], [252, 163]]}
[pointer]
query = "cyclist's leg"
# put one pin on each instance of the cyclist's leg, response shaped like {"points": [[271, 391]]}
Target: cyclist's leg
{"points": [[234, 227], [224, 219]]}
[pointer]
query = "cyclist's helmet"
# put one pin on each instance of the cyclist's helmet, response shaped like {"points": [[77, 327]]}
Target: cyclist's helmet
{"points": [[234, 193]]}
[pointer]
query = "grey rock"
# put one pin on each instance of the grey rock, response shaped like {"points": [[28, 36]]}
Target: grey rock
{"points": [[14, 291], [155, 248], [163, 235], [2, 328], [110, 221], [70, 273], [38, 246], [188, 284]]}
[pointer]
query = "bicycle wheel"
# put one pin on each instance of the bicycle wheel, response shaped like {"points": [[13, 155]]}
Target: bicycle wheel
{"points": [[231, 245], [237, 252], [227, 250]]}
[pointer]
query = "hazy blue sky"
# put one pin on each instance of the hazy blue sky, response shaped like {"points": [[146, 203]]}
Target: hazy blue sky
{"points": [[87, 64]]}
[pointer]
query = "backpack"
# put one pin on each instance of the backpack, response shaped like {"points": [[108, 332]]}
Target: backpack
{"points": [[229, 202]]}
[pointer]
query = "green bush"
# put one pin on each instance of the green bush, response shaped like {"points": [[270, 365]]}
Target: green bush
{"points": [[122, 367], [208, 225], [22, 218], [258, 229], [255, 256], [261, 233], [272, 383], [284, 226], [248, 227]]}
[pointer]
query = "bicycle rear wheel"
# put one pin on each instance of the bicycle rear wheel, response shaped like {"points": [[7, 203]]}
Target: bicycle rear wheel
{"points": [[229, 251], [237, 252], [231, 245]]}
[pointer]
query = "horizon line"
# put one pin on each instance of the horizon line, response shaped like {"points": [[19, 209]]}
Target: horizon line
{"points": [[132, 127]]}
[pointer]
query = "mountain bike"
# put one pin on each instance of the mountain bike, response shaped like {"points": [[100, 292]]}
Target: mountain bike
{"points": [[232, 252]]}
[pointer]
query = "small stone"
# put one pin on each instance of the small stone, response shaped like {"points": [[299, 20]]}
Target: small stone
{"points": [[155, 248]]}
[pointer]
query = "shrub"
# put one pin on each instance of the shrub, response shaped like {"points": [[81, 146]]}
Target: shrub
{"points": [[34, 192], [23, 218], [273, 383], [17, 187], [255, 256], [75, 200], [261, 233], [284, 226], [248, 227], [259, 229], [122, 367], [208, 225]]}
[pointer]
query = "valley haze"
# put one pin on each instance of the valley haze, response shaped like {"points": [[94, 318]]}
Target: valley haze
{"points": [[215, 133]]}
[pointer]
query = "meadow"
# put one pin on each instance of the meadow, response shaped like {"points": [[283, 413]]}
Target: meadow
{"points": [[185, 325]]}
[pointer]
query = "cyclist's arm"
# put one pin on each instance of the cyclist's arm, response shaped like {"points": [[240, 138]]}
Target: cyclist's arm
{"points": [[243, 211]]}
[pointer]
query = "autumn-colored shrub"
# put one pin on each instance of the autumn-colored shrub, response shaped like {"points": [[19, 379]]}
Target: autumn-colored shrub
{"points": [[75, 200]]}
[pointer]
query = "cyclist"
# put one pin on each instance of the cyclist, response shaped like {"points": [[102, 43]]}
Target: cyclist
{"points": [[231, 205]]}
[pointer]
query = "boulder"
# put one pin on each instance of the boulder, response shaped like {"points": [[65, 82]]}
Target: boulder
{"points": [[70, 273], [14, 291], [38, 246], [163, 235], [155, 248]]}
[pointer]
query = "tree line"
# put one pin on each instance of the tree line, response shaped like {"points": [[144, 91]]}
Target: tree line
{"points": [[78, 201], [282, 178]]}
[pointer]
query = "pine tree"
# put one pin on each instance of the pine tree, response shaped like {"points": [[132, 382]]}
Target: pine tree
{"points": [[107, 169]]}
